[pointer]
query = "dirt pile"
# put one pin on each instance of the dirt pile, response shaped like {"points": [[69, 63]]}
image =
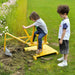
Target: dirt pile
{"points": [[19, 59]]}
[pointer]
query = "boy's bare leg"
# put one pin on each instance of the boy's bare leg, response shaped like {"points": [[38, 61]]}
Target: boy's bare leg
{"points": [[65, 56]]}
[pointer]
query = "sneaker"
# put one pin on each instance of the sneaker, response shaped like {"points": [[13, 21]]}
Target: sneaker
{"points": [[62, 64], [37, 51], [61, 59], [40, 50]]}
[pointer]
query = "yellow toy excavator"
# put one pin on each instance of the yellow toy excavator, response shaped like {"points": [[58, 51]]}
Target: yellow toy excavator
{"points": [[33, 45]]}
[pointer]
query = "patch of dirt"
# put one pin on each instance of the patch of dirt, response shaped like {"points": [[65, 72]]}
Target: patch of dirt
{"points": [[19, 59], [55, 44], [46, 58]]}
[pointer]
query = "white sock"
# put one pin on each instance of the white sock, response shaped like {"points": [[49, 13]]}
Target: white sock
{"points": [[65, 61]]}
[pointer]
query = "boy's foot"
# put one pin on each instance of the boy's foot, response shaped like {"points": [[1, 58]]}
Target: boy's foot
{"points": [[61, 59], [38, 51], [62, 64]]}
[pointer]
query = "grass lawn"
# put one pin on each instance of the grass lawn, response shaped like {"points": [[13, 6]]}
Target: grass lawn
{"points": [[17, 17], [47, 9]]}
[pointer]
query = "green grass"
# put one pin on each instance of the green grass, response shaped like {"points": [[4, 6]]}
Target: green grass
{"points": [[4, 73], [47, 9], [17, 18], [2, 1]]}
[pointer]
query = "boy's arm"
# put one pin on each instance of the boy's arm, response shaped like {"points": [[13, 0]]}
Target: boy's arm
{"points": [[63, 34], [28, 26]]}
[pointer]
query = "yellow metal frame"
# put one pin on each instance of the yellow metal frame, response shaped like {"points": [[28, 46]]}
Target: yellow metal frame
{"points": [[29, 38], [46, 49]]}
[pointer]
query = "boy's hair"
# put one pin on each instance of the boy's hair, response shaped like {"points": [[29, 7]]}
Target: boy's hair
{"points": [[34, 16], [63, 9]]}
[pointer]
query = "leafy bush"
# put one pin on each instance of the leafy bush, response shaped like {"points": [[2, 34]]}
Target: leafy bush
{"points": [[2, 1]]}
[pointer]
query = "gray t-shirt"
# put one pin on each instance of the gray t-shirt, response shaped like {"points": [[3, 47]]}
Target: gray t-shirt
{"points": [[40, 23]]}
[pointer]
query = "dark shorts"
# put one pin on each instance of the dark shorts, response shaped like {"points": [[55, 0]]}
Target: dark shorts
{"points": [[64, 47]]}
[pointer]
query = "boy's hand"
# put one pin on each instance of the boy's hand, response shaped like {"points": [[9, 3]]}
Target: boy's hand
{"points": [[61, 41], [24, 27]]}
